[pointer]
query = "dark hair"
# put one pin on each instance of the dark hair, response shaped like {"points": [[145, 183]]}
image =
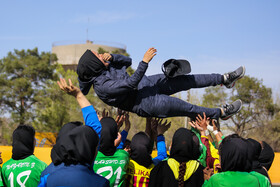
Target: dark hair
{"points": [[182, 171], [182, 167]]}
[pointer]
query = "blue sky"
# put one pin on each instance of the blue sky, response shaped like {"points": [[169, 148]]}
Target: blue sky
{"points": [[215, 36]]}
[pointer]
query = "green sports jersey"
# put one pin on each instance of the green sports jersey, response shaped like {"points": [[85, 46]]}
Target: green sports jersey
{"points": [[263, 180], [112, 167], [1, 181], [236, 178], [23, 173]]}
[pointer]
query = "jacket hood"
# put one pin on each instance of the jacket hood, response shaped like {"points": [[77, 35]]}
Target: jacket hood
{"points": [[89, 66]]}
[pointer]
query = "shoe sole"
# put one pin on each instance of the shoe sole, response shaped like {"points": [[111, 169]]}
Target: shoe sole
{"points": [[242, 75], [229, 116]]}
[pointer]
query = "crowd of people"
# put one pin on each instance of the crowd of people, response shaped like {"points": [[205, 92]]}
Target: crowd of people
{"points": [[96, 153]]}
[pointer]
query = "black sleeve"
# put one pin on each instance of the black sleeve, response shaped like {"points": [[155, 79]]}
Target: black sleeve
{"points": [[197, 179], [156, 175], [118, 61], [116, 87]]}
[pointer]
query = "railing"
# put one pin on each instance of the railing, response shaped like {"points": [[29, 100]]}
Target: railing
{"points": [[73, 42]]}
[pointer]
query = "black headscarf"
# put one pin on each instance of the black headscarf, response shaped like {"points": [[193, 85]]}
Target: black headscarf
{"points": [[23, 142], [141, 149], [109, 133], [184, 146], [77, 146], [267, 155], [255, 149], [234, 154], [67, 128], [89, 66]]}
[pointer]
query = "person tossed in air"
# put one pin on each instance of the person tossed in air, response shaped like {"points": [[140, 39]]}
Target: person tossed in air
{"points": [[149, 96]]}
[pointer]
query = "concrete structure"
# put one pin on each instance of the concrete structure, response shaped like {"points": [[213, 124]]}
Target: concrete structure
{"points": [[69, 55]]}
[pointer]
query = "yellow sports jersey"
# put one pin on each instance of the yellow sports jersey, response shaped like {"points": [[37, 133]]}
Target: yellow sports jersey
{"points": [[214, 153], [137, 175]]}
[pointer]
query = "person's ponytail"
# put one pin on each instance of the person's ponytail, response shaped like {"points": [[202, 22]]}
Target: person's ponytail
{"points": [[182, 171]]}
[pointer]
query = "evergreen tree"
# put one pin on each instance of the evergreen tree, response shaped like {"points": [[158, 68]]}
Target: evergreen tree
{"points": [[24, 75], [258, 107]]}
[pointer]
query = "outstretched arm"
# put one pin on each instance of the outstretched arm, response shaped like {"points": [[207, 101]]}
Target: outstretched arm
{"points": [[217, 133], [74, 91], [118, 60], [89, 114], [149, 55], [201, 124], [125, 131], [162, 127]]}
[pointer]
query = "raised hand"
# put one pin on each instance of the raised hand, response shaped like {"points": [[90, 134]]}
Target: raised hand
{"points": [[214, 125], [103, 114], [127, 122], [69, 89], [106, 56], [195, 125], [148, 129], [74, 91], [120, 118], [218, 167], [203, 122], [149, 55], [207, 173], [162, 127], [154, 124], [118, 140]]}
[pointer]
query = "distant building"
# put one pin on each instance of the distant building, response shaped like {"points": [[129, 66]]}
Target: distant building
{"points": [[69, 54]]}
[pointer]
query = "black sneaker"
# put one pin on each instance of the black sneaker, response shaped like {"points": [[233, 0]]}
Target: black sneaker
{"points": [[231, 77], [231, 109]]}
